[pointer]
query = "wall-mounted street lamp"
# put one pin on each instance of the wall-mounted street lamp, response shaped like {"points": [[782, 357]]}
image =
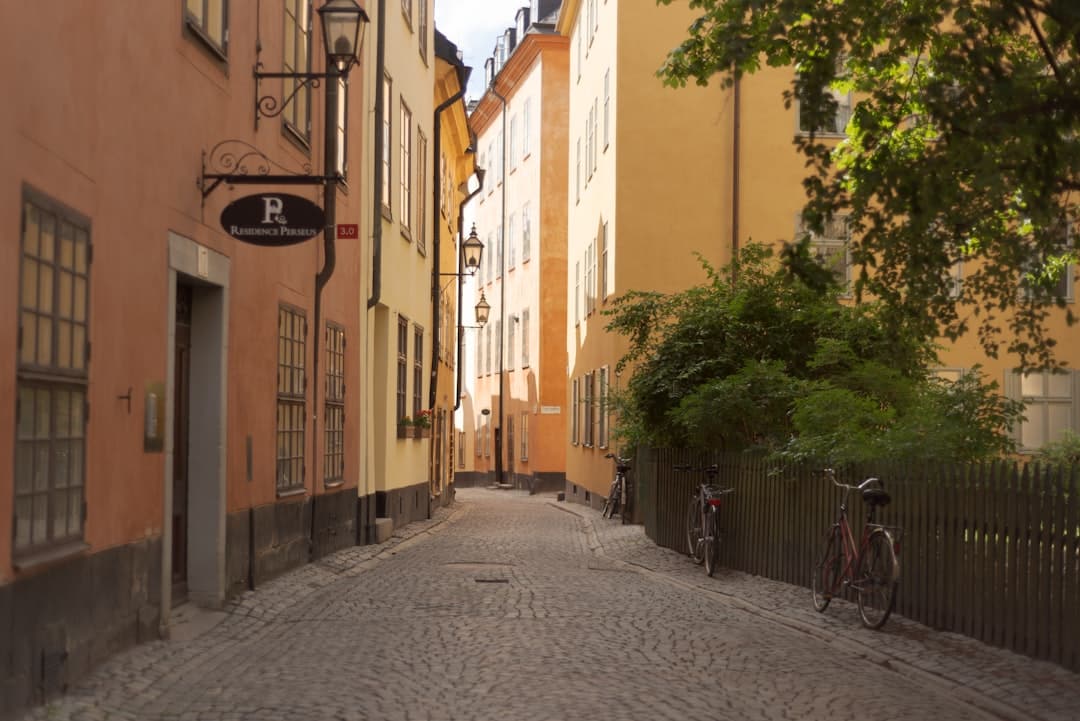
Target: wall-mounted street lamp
{"points": [[483, 308], [472, 250]]}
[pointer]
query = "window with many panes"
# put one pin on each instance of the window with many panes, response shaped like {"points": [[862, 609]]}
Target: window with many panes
{"points": [[511, 242], [1051, 405], [526, 128], [291, 387], [589, 409], [421, 195], [511, 338], [835, 123], [526, 230], [525, 338], [402, 368], [575, 409], [422, 27], [830, 248], [209, 19], [387, 128], [297, 59], [334, 452], [418, 371], [53, 351], [603, 266], [607, 107], [602, 411], [524, 436], [405, 199]]}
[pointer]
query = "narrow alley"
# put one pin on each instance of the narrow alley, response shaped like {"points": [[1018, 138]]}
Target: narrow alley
{"points": [[509, 606]]}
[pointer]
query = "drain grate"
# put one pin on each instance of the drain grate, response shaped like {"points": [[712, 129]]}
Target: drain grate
{"points": [[492, 580]]}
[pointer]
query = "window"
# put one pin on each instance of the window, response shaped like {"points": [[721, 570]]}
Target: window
{"points": [[836, 123], [526, 128], [502, 161], [580, 35], [594, 118], [511, 250], [341, 165], [607, 108], [418, 371], [498, 343], [513, 142], [297, 59], [526, 227], [602, 416], [588, 145], [50, 410], [461, 450], [511, 339], [421, 188], [603, 261], [577, 174], [402, 367], [210, 21], [1050, 403], [405, 168], [590, 278], [1050, 274], [291, 389], [525, 436], [830, 248], [577, 291], [498, 251], [487, 350], [587, 402], [479, 441], [387, 98], [334, 453], [525, 338], [574, 406], [422, 27]]}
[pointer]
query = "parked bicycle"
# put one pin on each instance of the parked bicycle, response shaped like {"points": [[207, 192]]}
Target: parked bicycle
{"points": [[871, 568], [618, 499], [704, 531]]}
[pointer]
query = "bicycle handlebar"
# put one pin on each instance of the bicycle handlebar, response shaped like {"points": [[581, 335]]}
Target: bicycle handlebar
{"points": [[619, 459], [848, 487]]}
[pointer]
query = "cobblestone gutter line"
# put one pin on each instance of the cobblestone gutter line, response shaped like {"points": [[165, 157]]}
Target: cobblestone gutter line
{"points": [[998, 682]]}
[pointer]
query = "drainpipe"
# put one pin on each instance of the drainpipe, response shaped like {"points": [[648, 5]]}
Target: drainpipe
{"points": [[461, 285], [436, 316], [735, 181], [502, 297], [376, 219]]}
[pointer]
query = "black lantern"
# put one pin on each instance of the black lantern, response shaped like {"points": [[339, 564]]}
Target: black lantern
{"points": [[343, 24], [482, 310], [471, 251]]}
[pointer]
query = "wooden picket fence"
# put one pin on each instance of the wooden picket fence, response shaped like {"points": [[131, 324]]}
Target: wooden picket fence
{"points": [[988, 551]]}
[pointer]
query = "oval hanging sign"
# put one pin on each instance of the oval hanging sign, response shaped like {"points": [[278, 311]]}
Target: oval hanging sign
{"points": [[272, 219]]}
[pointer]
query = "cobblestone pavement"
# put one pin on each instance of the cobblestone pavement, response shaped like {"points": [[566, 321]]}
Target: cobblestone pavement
{"points": [[514, 607]]}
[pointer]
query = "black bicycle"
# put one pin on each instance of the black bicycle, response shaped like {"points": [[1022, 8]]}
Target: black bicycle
{"points": [[618, 498], [704, 532]]}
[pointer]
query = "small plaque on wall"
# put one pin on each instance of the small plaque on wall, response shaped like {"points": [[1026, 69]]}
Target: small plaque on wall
{"points": [[154, 418]]}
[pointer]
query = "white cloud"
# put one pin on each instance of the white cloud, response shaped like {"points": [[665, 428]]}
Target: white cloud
{"points": [[474, 26]]}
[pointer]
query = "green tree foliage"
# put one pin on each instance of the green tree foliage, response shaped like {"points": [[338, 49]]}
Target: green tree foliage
{"points": [[961, 146], [757, 359]]}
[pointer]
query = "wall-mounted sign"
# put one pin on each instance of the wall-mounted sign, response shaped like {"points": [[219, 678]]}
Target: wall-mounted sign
{"points": [[272, 219], [550, 410], [348, 231]]}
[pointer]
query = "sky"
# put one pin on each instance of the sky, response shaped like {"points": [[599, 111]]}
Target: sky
{"points": [[474, 26]]}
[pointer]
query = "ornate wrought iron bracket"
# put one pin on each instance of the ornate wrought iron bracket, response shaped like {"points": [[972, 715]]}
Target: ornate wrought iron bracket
{"points": [[267, 106], [235, 162]]}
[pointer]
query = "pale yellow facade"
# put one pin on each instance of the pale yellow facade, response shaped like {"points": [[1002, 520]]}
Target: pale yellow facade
{"points": [[397, 351]]}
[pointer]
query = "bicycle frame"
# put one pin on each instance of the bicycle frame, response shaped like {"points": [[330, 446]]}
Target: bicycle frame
{"points": [[853, 553]]}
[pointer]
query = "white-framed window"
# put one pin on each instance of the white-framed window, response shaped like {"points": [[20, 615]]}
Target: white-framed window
{"points": [[388, 96], [420, 230], [607, 108], [512, 151], [577, 292], [603, 269], [577, 173], [511, 241], [834, 125], [602, 410], [831, 248], [574, 410], [501, 141], [405, 166], [1051, 405], [589, 141], [524, 436], [526, 128], [588, 401], [209, 19], [526, 233], [511, 342], [498, 251], [525, 338], [297, 59], [594, 119]]}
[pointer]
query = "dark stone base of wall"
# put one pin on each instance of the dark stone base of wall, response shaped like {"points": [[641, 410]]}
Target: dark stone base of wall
{"points": [[446, 498], [548, 482], [404, 505], [472, 479], [579, 494], [57, 625]]}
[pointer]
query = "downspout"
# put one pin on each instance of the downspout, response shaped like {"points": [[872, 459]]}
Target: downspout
{"points": [[461, 285], [735, 183], [436, 296], [380, 141]]}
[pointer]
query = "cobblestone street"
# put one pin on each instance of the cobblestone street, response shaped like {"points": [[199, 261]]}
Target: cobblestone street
{"points": [[516, 607]]}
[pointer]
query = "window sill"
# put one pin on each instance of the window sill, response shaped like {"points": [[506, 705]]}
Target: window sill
{"points": [[386, 214], [406, 233], [292, 493], [333, 484], [294, 136], [37, 559]]}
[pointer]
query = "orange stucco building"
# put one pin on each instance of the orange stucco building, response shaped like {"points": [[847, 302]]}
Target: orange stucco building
{"points": [[520, 375]]}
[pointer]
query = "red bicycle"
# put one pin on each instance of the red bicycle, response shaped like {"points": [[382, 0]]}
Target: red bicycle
{"points": [[871, 568]]}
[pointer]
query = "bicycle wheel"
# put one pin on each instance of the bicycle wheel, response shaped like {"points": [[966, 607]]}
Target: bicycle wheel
{"points": [[612, 501], [712, 543], [879, 573], [624, 494], [825, 579], [694, 547]]}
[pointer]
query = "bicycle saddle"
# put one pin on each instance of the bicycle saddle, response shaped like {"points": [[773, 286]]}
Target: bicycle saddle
{"points": [[876, 497]]}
